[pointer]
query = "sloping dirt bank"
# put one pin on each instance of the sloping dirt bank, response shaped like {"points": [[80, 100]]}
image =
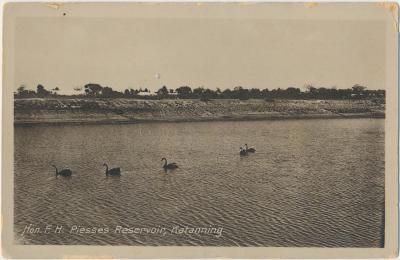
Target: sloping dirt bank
{"points": [[99, 111]]}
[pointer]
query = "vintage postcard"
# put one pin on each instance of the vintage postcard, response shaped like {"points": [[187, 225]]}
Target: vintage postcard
{"points": [[200, 130]]}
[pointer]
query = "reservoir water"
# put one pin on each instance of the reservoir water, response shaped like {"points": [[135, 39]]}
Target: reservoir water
{"points": [[311, 183]]}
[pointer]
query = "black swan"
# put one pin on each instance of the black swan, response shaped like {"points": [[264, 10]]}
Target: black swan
{"points": [[169, 165], [64, 172], [250, 150], [242, 151], [113, 171]]}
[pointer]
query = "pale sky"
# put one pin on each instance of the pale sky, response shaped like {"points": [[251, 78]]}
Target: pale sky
{"points": [[128, 52]]}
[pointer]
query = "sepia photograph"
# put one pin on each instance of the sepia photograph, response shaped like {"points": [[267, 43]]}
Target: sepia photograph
{"points": [[201, 125]]}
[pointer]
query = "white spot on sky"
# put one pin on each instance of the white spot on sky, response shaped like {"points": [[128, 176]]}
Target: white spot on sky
{"points": [[157, 76]]}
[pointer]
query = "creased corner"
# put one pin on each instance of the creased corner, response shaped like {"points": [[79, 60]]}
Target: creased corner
{"points": [[393, 9]]}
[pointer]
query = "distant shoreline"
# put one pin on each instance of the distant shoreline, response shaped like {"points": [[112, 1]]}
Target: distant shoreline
{"points": [[266, 118], [131, 111]]}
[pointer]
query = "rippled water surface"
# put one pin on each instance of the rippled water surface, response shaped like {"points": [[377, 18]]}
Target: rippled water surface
{"points": [[311, 183]]}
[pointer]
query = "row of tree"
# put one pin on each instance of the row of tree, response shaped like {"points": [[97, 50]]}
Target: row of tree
{"points": [[22, 92], [186, 92]]}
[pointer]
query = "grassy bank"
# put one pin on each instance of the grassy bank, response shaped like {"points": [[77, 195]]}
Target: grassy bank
{"points": [[121, 110]]}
